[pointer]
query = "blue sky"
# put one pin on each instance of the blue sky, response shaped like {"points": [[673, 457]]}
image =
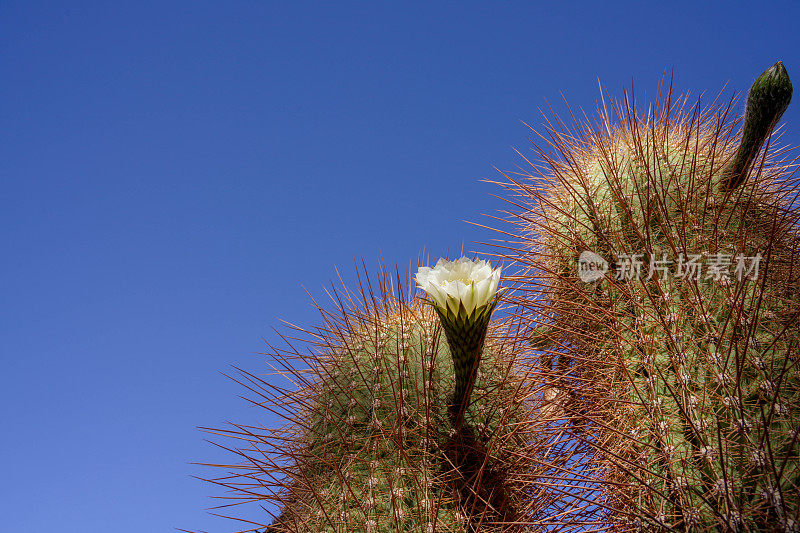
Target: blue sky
{"points": [[175, 175]]}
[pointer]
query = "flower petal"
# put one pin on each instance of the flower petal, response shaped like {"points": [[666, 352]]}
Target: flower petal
{"points": [[460, 283]]}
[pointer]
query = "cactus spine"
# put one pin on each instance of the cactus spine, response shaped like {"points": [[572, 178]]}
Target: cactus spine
{"points": [[685, 386]]}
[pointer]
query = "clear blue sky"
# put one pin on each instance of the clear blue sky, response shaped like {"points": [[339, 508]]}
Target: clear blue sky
{"points": [[174, 173]]}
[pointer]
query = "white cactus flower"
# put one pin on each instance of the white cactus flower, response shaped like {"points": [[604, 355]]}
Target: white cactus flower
{"points": [[467, 283], [464, 293]]}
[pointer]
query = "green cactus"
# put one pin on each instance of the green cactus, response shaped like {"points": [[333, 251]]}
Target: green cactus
{"points": [[372, 441], [686, 388], [646, 396]]}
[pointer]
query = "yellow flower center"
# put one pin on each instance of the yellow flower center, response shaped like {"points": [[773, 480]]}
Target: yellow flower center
{"points": [[464, 279]]}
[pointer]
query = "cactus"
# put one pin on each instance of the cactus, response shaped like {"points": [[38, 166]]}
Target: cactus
{"points": [[375, 438], [624, 388], [686, 387]]}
